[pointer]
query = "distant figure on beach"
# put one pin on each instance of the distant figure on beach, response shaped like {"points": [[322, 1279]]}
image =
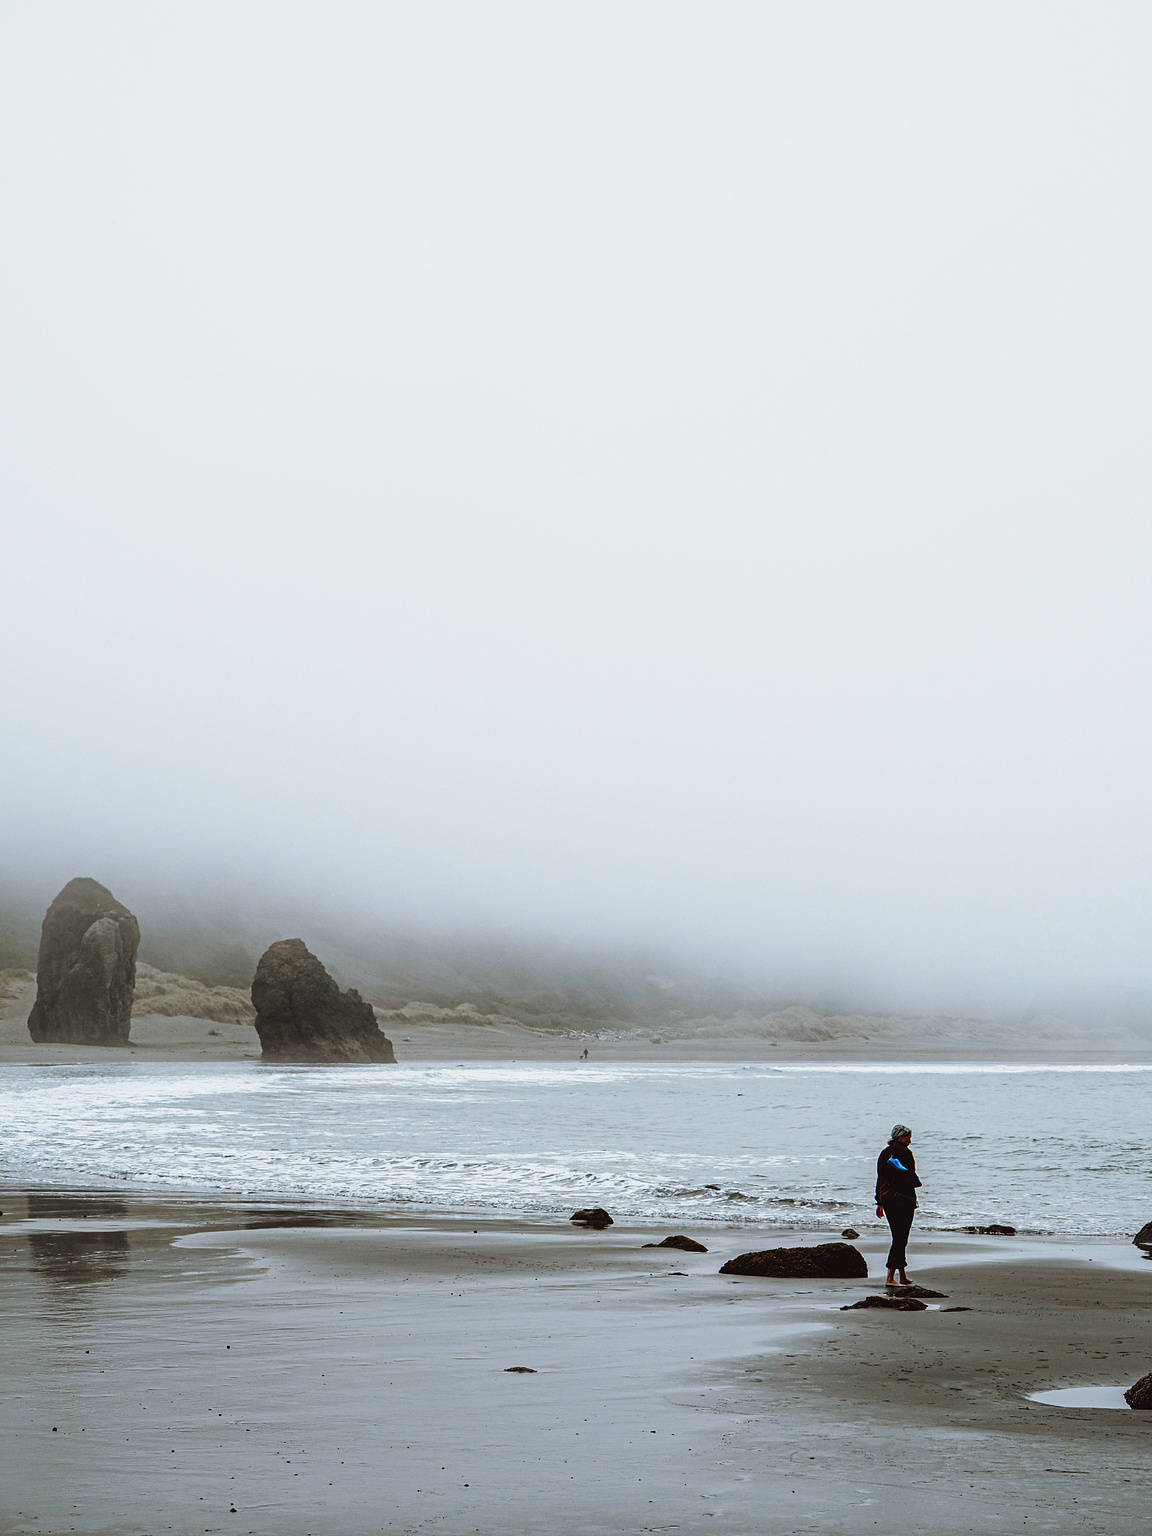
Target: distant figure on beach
{"points": [[896, 1186], [585, 1055]]}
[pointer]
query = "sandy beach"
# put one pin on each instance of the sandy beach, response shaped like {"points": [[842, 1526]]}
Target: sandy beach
{"points": [[188, 1367], [183, 1038]]}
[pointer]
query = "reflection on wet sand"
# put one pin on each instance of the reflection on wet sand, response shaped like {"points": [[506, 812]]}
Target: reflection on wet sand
{"points": [[264, 1219], [77, 1258], [82, 1241], [54, 1207]]}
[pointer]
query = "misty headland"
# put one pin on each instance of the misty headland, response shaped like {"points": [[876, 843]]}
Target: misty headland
{"points": [[460, 993]]}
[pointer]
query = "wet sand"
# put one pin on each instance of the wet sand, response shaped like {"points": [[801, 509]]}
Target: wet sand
{"points": [[192, 1367]]}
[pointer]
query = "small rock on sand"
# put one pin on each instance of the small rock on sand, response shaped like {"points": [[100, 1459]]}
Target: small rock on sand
{"points": [[826, 1261], [887, 1304], [688, 1244], [595, 1217], [1143, 1238], [1139, 1395], [520, 1370], [850, 1233], [920, 1291], [995, 1230]]}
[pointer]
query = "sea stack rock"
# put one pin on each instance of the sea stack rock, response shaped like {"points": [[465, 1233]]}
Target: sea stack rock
{"points": [[302, 1015], [86, 971]]}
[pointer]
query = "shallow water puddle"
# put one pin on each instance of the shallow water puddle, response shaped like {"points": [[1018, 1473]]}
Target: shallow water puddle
{"points": [[1082, 1397]]}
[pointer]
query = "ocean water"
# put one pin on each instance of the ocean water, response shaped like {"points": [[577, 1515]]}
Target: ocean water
{"points": [[1045, 1149]]}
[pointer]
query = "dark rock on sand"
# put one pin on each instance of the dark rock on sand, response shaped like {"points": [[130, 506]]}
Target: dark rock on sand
{"points": [[955, 1309], [302, 1015], [995, 1230], [596, 1217], [688, 1244], [86, 971], [850, 1233], [826, 1261], [921, 1291], [888, 1304], [1140, 1394], [1143, 1238], [520, 1370]]}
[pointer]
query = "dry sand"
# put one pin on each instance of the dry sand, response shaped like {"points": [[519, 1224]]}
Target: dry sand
{"points": [[184, 1367], [180, 1038]]}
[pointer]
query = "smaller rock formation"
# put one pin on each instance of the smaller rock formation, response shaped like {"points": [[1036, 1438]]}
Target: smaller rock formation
{"points": [[826, 1261], [1140, 1394], [302, 1015], [995, 1230], [595, 1217], [955, 1309], [850, 1233], [1143, 1238], [688, 1244], [86, 971], [887, 1304]]}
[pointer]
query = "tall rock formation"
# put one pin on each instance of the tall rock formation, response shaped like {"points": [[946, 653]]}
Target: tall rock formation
{"points": [[86, 971], [302, 1015]]}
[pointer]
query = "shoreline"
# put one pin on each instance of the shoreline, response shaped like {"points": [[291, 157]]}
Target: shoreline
{"points": [[49, 1171], [190, 1365], [359, 1210]]}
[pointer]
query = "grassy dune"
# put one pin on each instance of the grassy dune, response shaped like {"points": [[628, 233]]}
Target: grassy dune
{"points": [[166, 993]]}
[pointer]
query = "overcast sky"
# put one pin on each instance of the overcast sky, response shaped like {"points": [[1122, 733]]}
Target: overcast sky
{"points": [[619, 471]]}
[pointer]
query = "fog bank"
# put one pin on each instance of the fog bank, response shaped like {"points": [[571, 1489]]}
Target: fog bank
{"points": [[636, 480]]}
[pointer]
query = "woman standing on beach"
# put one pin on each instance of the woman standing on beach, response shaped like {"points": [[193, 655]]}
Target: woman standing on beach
{"points": [[896, 1186]]}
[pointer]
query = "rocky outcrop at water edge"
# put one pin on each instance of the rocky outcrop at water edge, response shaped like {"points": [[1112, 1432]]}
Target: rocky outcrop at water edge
{"points": [[595, 1217], [1139, 1395], [688, 1244]]}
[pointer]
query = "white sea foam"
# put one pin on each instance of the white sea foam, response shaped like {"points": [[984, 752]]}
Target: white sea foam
{"points": [[1052, 1148]]}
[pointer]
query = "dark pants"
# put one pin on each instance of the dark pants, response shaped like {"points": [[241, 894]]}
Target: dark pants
{"points": [[899, 1214]]}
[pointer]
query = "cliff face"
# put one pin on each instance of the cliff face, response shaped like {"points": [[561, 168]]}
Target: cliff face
{"points": [[302, 1015], [86, 969]]}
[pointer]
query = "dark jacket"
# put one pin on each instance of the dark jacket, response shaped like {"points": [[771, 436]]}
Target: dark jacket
{"points": [[896, 1179]]}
